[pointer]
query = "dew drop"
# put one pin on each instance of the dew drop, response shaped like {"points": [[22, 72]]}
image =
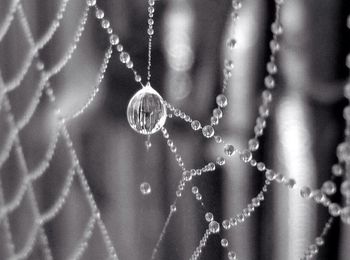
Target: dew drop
{"points": [[221, 100], [146, 111], [208, 131], [214, 227], [145, 188], [232, 255], [229, 149], [231, 43], [114, 39], [196, 125], [345, 215], [209, 216], [172, 207], [124, 57]]}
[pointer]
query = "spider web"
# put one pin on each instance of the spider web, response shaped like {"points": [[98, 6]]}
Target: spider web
{"points": [[37, 233], [13, 143]]}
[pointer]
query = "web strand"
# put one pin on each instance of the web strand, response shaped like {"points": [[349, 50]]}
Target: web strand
{"points": [[68, 141], [33, 202], [6, 225], [34, 48], [8, 18]]}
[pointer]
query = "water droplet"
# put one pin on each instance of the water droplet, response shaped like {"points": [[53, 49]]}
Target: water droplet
{"points": [[194, 190], [99, 14], [114, 39], [209, 216], [274, 46], [345, 188], [151, 9], [208, 131], [150, 21], [319, 241], [267, 97], [148, 144], [220, 160], [276, 28], [329, 187], [256, 202], [150, 31], [172, 208], [137, 78], [305, 192], [124, 57], [334, 209], [39, 65], [218, 139], [240, 218], [337, 170], [214, 227], [290, 183], [345, 215], [231, 255], [129, 64], [246, 156], [346, 113], [120, 48], [211, 166], [226, 224], [146, 111], [145, 188], [231, 43], [270, 175], [253, 144], [261, 166], [221, 100], [229, 64], [318, 196], [105, 23], [236, 4], [271, 67], [196, 125], [187, 175], [224, 242], [269, 82], [214, 120], [253, 162], [347, 61], [90, 2], [229, 149], [217, 112], [234, 16], [313, 249]]}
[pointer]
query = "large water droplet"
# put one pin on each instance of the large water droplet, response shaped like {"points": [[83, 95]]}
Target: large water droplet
{"points": [[146, 111]]}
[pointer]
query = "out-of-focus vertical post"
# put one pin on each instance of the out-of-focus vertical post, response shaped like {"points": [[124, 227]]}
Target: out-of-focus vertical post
{"points": [[239, 116]]}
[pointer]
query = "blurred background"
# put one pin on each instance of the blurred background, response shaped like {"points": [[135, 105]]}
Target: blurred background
{"points": [[303, 131]]}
